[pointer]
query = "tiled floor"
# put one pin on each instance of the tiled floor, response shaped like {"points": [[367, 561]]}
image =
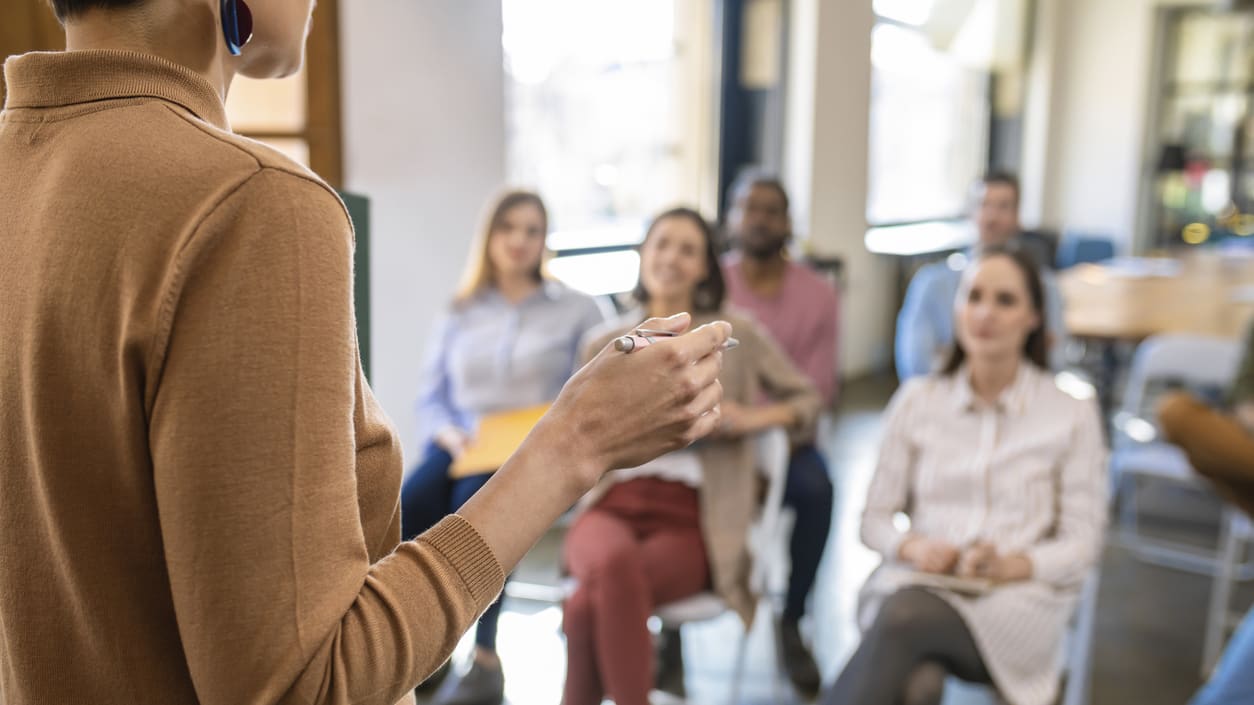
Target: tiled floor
{"points": [[1147, 649]]}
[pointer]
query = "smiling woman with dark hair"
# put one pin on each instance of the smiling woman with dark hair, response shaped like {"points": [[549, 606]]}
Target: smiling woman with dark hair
{"points": [[200, 490], [667, 529]]}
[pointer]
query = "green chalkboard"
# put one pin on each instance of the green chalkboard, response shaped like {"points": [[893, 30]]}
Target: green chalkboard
{"points": [[359, 211]]}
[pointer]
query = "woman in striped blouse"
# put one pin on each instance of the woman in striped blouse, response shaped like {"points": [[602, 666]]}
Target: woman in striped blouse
{"points": [[1002, 478]]}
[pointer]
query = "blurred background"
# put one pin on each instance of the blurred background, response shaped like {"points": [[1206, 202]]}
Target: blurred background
{"points": [[1128, 122]]}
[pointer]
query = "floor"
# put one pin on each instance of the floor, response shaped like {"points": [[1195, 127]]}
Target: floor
{"points": [[1149, 631]]}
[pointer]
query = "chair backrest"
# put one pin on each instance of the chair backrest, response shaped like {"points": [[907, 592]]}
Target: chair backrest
{"points": [[1075, 249], [1199, 361]]}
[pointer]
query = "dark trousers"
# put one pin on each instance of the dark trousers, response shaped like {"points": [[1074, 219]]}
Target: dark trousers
{"points": [[917, 639], [429, 495], [809, 492]]}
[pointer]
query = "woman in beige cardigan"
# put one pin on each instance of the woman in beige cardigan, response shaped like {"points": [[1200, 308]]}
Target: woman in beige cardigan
{"points": [[673, 527], [200, 491], [1002, 476]]}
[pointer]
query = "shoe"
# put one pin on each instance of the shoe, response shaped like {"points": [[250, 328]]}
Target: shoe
{"points": [[669, 673], [480, 686], [434, 680], [797, 660]]}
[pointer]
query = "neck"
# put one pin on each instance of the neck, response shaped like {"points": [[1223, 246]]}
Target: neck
{"points": [[664, 308], [191, 38], [766, 270], [989, 378], [516, 287]]}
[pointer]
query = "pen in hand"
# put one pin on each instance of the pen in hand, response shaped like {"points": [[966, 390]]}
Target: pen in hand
{"points": [[644, 337]]}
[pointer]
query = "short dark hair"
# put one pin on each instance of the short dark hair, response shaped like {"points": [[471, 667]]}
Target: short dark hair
{"points": [[750, 178], [710, 293], [1002, 178], [69, 9], [1035, 348]]}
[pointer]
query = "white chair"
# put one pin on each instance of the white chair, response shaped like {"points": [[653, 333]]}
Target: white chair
{"points": [[1235, 536], [768, 537], [1139, 456], [1078, 657]]}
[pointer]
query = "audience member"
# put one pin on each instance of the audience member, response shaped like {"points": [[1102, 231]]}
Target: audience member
{"points": [[925, 324], [1221, 447], [1002, 478], [676, 526], [510, 340], [200, 490], [798, 307]]}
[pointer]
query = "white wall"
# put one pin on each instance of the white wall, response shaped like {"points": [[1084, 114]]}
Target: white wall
{"points": [[1093, 62], [825, 166], [425, 140]]}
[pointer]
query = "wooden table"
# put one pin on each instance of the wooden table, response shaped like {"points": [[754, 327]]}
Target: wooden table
{"points": [[1204, 293]]}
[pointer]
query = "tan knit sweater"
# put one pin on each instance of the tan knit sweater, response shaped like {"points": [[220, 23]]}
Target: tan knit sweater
{"points": [[198, 492]]}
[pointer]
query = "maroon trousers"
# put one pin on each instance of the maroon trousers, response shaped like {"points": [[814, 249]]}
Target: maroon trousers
{"points": [[639, 547]]}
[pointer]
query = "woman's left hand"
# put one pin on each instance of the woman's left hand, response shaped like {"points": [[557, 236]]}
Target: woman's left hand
{"points": [[740, 420], [982, 560]]}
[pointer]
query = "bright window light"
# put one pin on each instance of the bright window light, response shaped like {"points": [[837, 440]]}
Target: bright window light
{"points": [[598, 274], [915, 12], [593, 120]]}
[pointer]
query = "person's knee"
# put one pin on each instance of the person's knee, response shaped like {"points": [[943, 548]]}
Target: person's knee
{"points": [[925, 685], [906, 614], [577, 611], [606, 561], [809, 484]]}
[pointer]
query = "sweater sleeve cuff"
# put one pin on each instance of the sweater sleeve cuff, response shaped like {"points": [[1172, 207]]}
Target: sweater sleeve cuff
{"points": [[463, 547], [1052, 566]]}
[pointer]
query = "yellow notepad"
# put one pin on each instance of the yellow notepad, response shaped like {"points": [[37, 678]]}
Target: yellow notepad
{"points": [[499, 435]]}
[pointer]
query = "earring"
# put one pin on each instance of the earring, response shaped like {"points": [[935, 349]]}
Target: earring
{"points": [[237, 25]]}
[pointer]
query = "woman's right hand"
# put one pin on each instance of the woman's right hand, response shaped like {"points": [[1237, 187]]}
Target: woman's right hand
{"points": [[929, 555], [453, 440], [622, 410]]}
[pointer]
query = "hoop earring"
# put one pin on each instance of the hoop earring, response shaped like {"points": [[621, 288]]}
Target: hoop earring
{"points": [[237, 25]]}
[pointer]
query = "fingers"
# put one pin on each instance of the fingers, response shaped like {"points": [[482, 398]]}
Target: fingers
{"points": [[946, 557], [675, 324], [705, 424], [700, 343], [967, 565], [705, 403], [977, 561], [705, 372]]}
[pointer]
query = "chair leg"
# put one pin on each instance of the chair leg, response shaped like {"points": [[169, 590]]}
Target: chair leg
{"points": [[1080, 660], [780, 685], [1220, 595], [1129, 509], [739, 670]]}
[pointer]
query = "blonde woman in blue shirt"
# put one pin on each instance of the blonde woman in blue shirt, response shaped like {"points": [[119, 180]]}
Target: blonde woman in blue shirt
{"points": [[509, 340]]}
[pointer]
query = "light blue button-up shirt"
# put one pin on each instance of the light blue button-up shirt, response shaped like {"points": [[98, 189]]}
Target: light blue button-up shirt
{"points": [[925, 326], [491, 355]]}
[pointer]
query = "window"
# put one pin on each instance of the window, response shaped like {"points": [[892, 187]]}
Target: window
{"points": [[300, 115], [929, 120], [1202, 161], [600, 102]]}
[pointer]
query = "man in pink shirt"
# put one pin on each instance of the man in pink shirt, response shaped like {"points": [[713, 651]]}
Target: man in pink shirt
{"points": [[799, 308]]}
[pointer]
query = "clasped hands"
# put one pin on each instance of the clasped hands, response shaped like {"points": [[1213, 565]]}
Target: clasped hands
{"points": [[979, 560]]}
